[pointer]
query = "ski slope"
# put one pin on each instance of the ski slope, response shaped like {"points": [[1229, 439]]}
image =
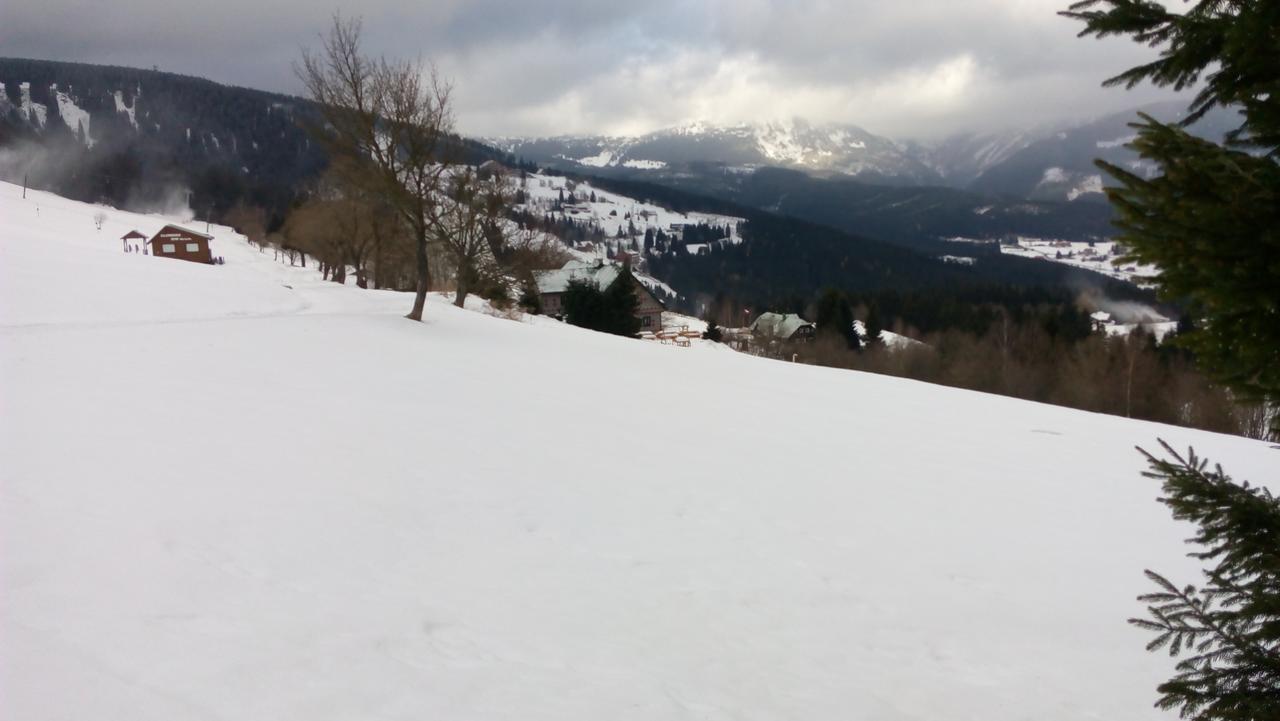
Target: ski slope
{"points": [[238, 492]]}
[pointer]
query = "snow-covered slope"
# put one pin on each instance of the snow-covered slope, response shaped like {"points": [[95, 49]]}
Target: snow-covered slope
{"points": [[610, 212], [237, 492]]}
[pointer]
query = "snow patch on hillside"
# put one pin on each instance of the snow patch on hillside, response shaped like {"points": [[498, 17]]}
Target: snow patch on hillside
{"points": [[1090, 184], [612, 212], [30, 109], [603, 159], [1118, 142], [1053, 175], [76, 118], [644, 164], [122, 107], [891, 340]]}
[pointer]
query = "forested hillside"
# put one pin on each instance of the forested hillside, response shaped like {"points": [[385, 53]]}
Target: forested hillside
{"points": [[786, 260], [146, 139]]}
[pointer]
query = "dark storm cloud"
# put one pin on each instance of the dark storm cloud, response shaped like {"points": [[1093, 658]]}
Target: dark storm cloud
{"points": [[915, 67]]}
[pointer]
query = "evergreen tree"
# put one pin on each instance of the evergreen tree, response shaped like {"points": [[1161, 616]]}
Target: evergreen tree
{"points": [[612, 310], [530, 300], [1211, 220], [873, 327], [834, 317], [583, 304], [621, 304], [1229, 629]]}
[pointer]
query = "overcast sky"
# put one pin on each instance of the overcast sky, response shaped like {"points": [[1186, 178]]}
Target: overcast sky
{"points": [[903, 68]]}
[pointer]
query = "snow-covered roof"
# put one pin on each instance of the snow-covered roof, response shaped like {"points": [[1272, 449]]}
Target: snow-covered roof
{"points": [[189, 231], [557, 281], [777, 325]]}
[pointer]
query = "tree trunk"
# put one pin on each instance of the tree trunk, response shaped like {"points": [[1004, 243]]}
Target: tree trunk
{"points": [[460, 295], [424, 278]]}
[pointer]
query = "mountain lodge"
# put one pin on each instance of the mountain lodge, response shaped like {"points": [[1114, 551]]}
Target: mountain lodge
{"points": [[176, 242]]}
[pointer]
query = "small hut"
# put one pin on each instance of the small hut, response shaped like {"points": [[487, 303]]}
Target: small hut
{"points": [[131, 236]]}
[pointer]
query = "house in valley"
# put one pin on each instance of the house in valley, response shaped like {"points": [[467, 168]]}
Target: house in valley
{"points": [[782, 328], [552, 285], [176, 242]]}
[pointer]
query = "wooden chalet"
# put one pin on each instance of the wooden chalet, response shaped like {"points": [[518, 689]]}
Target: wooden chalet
{"points": [[176, 242]]}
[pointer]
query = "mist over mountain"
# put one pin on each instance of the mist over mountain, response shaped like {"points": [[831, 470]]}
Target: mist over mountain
{"points": [[1045, 163], [1060, 165], [841, 149]]}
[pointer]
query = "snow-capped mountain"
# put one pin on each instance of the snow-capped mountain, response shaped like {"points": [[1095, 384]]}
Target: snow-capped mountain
{"points": [[817, 148]]}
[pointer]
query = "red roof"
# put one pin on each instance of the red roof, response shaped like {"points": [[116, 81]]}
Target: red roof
{"points": [[133, 234]]}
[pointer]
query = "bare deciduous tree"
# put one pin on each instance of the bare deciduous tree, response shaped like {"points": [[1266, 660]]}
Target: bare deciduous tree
{"points": [[250, 221], [393, 119], [471, 222]]}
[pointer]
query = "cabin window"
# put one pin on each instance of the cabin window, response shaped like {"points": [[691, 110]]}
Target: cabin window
{"points": [[646, 321], [167, 248], [193, 247]]}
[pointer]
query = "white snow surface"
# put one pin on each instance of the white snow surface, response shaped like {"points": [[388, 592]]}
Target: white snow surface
{"points": [[644, 164], [240, 492], [1089, 184], [890, 339]]}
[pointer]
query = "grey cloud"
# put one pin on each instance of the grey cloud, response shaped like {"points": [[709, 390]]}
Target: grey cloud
{"points": [[917, 67]]}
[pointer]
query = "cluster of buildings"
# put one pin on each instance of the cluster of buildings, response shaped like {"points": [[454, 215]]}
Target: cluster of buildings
{"points": [[172, 241]]}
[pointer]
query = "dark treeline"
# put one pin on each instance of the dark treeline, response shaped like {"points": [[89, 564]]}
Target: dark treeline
{"points": [[915, 216], [1035, 344]]}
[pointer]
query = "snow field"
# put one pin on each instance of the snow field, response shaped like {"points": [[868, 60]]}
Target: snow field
{"points": [[221, 497]]}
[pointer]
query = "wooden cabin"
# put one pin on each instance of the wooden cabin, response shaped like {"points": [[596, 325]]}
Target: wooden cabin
{"points": [[176, 242]]}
